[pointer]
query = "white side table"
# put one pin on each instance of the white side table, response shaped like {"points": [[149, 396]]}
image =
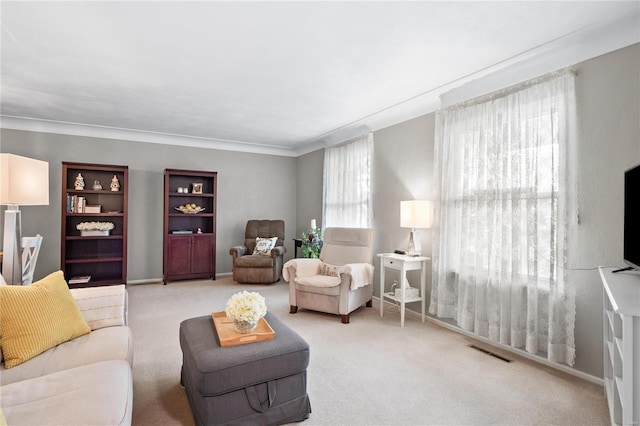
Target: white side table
{"points": [[403, 264]]}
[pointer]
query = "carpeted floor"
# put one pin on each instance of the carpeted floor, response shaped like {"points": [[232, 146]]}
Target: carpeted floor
{"points": [[369, 372]]}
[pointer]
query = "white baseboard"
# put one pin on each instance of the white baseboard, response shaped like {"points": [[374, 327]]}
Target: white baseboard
{"points": [[155, 280], [145, 281], [519, 352]]}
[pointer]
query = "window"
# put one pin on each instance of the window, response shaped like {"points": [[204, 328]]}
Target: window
{"points": [[347, 184], [504, 194]]}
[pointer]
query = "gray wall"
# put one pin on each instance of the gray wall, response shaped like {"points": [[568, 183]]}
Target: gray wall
{"points": [[608, 99], [246, 185], [309, 190]]}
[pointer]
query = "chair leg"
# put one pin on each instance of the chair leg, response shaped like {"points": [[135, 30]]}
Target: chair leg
{"points": [[345, 319], [293, 309], [369, 304]]}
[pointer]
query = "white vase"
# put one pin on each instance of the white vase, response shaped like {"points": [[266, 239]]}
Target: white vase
{"points": [[245, 327], [94, 233]]}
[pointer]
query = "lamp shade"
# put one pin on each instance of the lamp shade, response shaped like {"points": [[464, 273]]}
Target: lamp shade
{"points": [[23, 181], [416, 214]]}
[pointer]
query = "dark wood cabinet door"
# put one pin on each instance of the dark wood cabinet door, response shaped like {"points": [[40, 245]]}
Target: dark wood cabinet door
{"points": [[179, 255], [201, 254]]}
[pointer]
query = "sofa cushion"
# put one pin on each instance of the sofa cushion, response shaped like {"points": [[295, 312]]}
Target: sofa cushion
{"points": [[100, 393], [38, 317], [105, 344], [103, 306]]}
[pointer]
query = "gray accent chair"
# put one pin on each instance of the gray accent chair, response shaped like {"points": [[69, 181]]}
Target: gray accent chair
{"points": [[259, 269], [340, 281]]}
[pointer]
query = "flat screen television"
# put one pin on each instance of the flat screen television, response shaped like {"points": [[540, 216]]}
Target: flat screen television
{"points": [[632, 218]]}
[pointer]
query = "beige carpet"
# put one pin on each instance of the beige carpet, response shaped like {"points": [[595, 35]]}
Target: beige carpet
{"points": [[370, 372]]}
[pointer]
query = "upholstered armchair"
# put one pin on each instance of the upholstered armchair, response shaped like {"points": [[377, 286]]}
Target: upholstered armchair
{"points": [[259, 260], [340, 281]]}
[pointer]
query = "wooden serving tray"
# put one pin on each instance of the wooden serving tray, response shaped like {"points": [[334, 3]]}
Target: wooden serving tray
{"points": [[230, 337]]}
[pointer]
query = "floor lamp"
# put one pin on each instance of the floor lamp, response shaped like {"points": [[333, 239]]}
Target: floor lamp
{"points": [[23, 181]]}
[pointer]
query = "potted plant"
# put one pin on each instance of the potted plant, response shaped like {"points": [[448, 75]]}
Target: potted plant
{"points": [[311, 243]]}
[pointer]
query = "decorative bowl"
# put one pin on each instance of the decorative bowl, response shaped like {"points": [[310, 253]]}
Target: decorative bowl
{"points": [[190, 211]]}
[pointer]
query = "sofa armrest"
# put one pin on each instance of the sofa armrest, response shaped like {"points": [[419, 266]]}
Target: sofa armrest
{"points": [[104, 306], [237, 251]]}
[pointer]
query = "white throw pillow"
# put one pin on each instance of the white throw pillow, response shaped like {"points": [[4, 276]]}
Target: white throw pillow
{"points": [[264, 245]]}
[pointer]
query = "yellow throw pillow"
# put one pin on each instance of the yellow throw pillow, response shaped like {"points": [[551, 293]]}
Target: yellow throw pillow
{"points": [[37, 317]]}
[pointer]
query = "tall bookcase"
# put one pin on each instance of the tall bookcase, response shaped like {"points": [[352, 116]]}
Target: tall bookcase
{"points": [[189, 233], [103, 258]]}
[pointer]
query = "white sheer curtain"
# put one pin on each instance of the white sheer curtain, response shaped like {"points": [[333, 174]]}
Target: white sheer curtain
{"points": [[347, 184], [503, 216]]}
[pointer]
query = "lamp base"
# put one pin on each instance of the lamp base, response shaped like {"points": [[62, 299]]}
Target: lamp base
{"points": [[414, 248], [12, 244]]}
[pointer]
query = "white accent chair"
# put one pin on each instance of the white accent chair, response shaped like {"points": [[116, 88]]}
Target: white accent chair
{"points": [[30, 251], [340, 281]]}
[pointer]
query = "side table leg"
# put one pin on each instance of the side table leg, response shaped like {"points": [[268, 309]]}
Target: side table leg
{"points": [[423, 280], [381, 286], [403, 278]]}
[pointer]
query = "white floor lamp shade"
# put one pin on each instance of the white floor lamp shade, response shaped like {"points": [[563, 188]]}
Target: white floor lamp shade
{"points": [[415, 214], [23, 181]]}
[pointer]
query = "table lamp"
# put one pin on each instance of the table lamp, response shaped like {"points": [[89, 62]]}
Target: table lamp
{"points": [[23, 181], [415, 214]]}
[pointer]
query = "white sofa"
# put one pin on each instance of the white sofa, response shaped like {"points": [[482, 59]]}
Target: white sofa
{"points": [[85, 381]]}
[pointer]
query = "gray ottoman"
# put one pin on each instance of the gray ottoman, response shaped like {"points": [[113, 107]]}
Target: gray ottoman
{"points": [[262, 383]]}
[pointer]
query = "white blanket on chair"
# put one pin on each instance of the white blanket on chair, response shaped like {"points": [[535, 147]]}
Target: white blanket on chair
{"points": [[361, 274], [304, 268]]}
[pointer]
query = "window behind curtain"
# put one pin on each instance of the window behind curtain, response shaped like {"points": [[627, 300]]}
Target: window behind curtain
{"points": [[347, 184], [504, 196]]}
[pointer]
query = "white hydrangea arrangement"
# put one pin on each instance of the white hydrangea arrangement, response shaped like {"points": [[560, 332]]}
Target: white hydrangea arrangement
{"points": [[94, 226], [246, 307]]}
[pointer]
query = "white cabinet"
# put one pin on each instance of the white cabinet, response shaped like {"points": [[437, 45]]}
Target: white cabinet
{"points": [[622, 345]]}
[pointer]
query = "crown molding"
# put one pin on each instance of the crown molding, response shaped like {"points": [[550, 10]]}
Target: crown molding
{"points": [[92, 131]]}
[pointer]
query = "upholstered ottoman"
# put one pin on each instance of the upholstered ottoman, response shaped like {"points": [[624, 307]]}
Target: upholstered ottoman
{"points": [[256, 383]]}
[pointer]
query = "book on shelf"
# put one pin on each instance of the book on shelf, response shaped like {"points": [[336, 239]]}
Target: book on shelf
{"points": [[76, 204], [80, 279], [182, 232]]}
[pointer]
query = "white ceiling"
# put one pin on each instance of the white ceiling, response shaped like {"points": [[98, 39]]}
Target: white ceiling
{"points": [[275, 77]]}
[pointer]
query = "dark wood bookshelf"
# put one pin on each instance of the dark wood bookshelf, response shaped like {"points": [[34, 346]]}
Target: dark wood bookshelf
{"points": [[104, 258], [189, 255]]}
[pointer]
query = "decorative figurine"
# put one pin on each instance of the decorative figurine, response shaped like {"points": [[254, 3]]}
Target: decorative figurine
{"points": [[115, 184], [96, 185], [79, 183], [199, 230]]}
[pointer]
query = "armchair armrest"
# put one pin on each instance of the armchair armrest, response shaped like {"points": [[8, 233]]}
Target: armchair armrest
{"points": [[278, 251], [361, 274], [102, 306], [300, 267], [238, 251]]}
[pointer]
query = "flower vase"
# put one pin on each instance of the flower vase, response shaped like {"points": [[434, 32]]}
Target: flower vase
{"points": [[245, 327]]}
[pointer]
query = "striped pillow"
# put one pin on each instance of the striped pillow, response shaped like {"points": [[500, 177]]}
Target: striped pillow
{"points": [[38, 317]]}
